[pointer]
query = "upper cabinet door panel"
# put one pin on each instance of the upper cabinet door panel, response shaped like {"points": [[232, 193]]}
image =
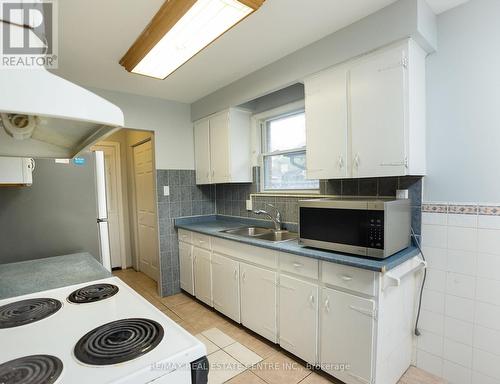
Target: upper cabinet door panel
{"points": [[202, 151], [378, 98], [219, 147], [326, 124]]}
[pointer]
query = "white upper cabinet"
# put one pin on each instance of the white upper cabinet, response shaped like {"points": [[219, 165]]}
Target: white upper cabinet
{"points": [[326, 124], [372, 110], [222, 148], [202, 146]]}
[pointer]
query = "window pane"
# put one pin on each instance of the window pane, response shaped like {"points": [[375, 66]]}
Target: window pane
{"points": [[287, 171], [287, 132]]}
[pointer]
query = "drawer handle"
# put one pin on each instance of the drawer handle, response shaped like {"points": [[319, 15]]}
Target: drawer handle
{"points": [[201, 241], [346, 278], [297, 265]]}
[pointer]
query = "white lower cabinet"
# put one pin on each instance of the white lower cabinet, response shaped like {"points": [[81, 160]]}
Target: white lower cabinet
{"points": [[202, 275], [347, 336], [226, 286], [298, 310], [357, 324], [258, 300], [186, 267]]}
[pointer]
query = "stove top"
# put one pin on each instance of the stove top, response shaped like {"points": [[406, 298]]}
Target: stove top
{"points": [[118, 341], [35, 369], [27, 311], [93, 293], [121, 340]]}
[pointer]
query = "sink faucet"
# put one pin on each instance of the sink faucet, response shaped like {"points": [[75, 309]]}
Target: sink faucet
{"points": [[275, 219]]}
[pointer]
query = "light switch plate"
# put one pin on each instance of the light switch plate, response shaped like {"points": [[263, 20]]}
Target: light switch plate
{"points": [[402, 194], [166, 190], [249, 205]]}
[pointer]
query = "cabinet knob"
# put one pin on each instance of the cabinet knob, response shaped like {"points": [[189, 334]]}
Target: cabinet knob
{"points": [[312, 299], [346, 278], [235, 274], [297, 265], [243, 276]]}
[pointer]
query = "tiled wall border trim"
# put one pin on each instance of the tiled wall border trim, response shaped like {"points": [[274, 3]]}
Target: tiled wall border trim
{"points": [[462, 209]]}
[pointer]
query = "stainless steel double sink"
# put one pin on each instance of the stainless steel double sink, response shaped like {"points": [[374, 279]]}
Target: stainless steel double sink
{"points": [[261, 233]]}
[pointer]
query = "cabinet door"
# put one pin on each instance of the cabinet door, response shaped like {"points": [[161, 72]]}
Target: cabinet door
{"points": [[258, 300], [226, 286], [378, 94], [202, 275], [219, 148], [298, 317], [326, 125], [202, 151], [186, 267], [347, 336]]}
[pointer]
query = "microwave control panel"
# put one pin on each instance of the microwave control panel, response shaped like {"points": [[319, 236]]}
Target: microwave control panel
{"points": [[376, 229]]}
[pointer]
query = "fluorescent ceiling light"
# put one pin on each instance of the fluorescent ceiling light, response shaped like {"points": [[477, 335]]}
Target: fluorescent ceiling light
{"points": [[180, 30]]}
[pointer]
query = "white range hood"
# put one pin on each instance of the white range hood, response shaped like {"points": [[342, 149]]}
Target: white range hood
{"points": [[43, 115]]}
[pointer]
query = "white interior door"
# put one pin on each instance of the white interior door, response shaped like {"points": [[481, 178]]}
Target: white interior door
{"points": [[113, 192], [147, 234]]}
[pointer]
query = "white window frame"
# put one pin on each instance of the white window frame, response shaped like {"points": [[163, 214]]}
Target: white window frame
{"points": [[261, 120]]}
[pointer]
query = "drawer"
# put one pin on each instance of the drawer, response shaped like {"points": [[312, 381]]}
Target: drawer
{"points": [[257, 255], [202, 241], [299, 265], [185, 236], [354, 279]]}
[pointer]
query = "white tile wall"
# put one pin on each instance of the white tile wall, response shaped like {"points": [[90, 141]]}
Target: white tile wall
{"points": [[460, 320]]}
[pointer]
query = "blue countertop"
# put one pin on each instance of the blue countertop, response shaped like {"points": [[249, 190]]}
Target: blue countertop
{"points": [[213, 225], [31, 276]]}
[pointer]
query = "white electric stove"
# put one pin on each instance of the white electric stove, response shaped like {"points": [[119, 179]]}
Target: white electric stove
{"points": [[106, 333]]}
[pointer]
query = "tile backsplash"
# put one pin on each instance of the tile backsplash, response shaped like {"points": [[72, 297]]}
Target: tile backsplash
{"points": [[188, 199], [231, 198], [460, 320], [185, 199]]}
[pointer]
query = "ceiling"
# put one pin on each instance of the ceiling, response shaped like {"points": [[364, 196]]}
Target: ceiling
{"points": [[440, 6], [94, 35]]}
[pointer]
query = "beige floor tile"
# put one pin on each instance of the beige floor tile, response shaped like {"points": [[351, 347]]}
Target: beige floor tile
{"points": [[190, 310], [280, 369], [172, 301], [257, 344], [244, 355], [218, 337], [211, 347], [222, 367], [172, 315], [315, 378], [246, 377], [417, 376]]}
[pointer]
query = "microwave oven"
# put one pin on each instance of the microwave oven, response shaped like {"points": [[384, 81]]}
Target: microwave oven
{"points": [[375, 228]]}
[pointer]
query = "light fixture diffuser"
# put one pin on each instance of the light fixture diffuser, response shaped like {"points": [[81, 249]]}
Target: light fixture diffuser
{"points": [[180, 30]]}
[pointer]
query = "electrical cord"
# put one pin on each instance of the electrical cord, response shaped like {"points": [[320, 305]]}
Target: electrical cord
{"points": [[417, 243]]}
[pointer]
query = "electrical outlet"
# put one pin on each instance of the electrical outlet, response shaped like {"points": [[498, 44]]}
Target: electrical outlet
{"points": [[249, 205], [166, 190], [402, 194]]}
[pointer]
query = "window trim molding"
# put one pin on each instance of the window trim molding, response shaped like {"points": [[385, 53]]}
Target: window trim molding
{"points": [[259, 123]]}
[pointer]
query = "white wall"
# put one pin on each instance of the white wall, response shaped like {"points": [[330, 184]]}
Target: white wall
{"points": [[170, 121], [463, 106]]}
